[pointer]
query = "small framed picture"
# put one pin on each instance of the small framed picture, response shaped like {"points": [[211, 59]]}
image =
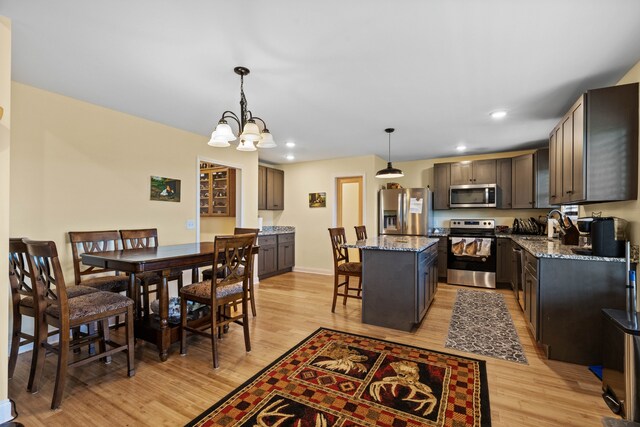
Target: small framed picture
{"points": [[165, 189], [317, 200]]}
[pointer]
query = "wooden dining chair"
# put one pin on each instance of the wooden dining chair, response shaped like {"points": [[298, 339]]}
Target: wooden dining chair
{"points": [[208, 273], [146, 238], [343, 267], [24, 300], [66, 314], [361, 232], [229, 285]]}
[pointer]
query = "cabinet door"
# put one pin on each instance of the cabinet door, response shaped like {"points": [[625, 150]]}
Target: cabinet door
{"points": [[286, 255], [504, 261], [267, 260], [541, 174], [522, 182], [567, 158], [422, 286], [484, 171], [503, 180], [553, 168], [262, 188], [205, 193], [578, 160], [442, 181], [442, 258], [275, 189], [461, 173]]}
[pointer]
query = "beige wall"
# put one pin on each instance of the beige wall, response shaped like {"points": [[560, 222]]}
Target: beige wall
{"points": [[629, 210], [212, 226], [5, 126], [77, 166]]}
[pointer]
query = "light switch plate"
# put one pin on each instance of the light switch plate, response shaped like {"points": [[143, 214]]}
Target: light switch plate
{"points": [[191, 224]]}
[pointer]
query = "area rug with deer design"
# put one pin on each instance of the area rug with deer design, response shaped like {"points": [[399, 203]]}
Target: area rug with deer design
{"points": [[334, 378]]}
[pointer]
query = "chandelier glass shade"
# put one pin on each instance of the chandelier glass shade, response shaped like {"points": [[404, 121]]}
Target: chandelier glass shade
{"points": [[389, 171], [248, 129]]}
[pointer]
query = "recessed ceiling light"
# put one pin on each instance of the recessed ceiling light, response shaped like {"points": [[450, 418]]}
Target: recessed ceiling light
{"points": [[290, 157], [499, 114], [461, 147], [290, 144]]}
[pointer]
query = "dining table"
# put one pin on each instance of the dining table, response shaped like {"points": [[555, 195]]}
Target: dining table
{"points": [[161, 260]]}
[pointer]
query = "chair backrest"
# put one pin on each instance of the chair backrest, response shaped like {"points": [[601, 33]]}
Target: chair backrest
{"points": [[240, 230], [47, 275], [89, 242], [20, 279], [139, 239], [340, 254], [361, 232], [232, 253]]}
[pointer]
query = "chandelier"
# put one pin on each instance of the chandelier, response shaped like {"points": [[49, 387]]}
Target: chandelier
{"points": [[389, 171], [250, 132]]}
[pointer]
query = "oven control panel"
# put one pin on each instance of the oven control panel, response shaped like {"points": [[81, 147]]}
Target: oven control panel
{"points": [[473, 223]]}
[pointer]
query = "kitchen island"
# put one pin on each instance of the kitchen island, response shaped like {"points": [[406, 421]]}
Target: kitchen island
{"points": [[399, 279]]}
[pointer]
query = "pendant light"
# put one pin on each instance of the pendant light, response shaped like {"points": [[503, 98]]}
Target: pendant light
{"points": [[389, 171]]}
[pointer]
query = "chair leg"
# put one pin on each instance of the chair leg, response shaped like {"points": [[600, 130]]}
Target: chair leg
{"points": [[40, 335], [180, 283], [130, 343], [15, 340], [61, 374], [245, 324], [103, 327], [183, 325], [214, 339], [145, 300], [346, 290], [252, 297], [360, 286], [335, 292]]}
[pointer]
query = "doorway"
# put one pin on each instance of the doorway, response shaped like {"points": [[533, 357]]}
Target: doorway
{"points": [[349, 205]]}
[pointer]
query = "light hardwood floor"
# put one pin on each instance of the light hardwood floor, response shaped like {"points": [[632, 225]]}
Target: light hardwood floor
{"points": [[290, 307]]}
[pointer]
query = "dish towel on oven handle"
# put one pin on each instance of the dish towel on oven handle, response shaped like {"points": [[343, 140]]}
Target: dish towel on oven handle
{"points": [[471, 246]]}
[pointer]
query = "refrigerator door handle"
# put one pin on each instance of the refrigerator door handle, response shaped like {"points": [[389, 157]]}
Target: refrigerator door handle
{"points": [[401, 213]]}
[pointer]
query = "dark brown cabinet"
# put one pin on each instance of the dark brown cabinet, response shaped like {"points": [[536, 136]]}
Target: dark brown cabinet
{"points": [[473, 172], [522, 182], [217, 192], [594, 148], [442, 181], [541, 191], [503, 181], [442, 259], [270, 189], [530, 284], [276, 254], [503, 266]]}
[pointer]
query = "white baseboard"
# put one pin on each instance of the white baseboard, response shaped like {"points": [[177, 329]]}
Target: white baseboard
{"points": [[313, 270], [5, 411]]}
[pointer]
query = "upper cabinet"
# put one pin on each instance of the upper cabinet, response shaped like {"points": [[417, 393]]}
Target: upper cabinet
{"points": [[522, 182], [503, 182], [594, 149], [475, 172], [270, 189], [217, 192], [442, 181]]}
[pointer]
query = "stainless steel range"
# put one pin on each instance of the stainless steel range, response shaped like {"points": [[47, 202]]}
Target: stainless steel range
{"points": [[471, 252]]}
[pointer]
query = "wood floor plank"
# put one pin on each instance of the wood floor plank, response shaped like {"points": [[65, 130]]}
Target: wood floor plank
{"points": [[290, 307]]}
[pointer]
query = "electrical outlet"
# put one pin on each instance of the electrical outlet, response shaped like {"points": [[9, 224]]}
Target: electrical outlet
{"points": [[191, 224]]}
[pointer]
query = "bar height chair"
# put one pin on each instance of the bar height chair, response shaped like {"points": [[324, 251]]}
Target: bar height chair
{"points": [[343, 267], [146, 238], [229, 285], [208, 273], [66, 314]]}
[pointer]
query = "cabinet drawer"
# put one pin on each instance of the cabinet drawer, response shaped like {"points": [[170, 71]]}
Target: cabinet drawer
{"points": [[267, 240], [530, 261], [286, 238]]}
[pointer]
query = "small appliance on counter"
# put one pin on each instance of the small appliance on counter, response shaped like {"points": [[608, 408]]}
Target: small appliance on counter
{"points": [[584, 227], [608, 237]]}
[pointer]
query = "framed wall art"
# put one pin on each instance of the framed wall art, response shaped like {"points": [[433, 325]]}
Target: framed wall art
{"points": [[165, 189], [317, 200]]}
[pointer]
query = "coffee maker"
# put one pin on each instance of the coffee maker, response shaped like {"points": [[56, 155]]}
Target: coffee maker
{"points": [[608, 237], [584, 227]]}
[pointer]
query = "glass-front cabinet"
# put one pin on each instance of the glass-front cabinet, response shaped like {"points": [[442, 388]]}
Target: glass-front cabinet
{"points": [[217, 191]]}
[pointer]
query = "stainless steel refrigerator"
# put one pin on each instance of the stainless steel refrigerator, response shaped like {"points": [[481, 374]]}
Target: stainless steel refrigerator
{"points": [[405, 211]]}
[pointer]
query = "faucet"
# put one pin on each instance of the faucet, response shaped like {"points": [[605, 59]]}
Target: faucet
{"points": [[560, 220]]}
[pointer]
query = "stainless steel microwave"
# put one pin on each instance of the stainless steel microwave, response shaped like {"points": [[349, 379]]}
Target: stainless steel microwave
{"points": [[472, 196]]}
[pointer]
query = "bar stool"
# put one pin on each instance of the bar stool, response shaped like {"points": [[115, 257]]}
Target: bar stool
{"points": [[342, 267]]}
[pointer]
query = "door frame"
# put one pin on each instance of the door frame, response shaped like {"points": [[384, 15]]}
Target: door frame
{"points": [[334, 213], [225, 163]]}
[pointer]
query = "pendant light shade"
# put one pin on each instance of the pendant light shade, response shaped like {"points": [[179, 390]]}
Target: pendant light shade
{"points": [[246, 145], [266, 140], [389, 171]]}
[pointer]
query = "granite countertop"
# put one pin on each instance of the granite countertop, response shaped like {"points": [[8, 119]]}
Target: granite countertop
{"points": [[394, 243], [439, 232], [540, 247], [270, 230]]}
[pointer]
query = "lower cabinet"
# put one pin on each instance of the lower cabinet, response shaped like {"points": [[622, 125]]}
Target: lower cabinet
{"points": [[276, 255], [503, 266], [442, 259], [427, 281], [531, 293]]}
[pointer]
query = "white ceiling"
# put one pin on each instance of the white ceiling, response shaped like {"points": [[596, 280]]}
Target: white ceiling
{"points": [[331, 75]]}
